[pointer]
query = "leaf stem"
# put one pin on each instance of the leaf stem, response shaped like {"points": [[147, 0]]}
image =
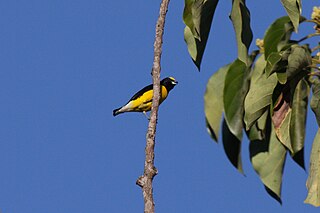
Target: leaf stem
{"points": [[315, 61], [308, 36], [312, 21], [314, 67], [315, 48]]}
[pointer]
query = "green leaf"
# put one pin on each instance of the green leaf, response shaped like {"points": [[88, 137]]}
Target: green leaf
{"points": [[282, 77], [315, 100], [213, 101], [240, 17], [259, 96], [288, 64], [278, 62], [298, 61], [298, 121], [313, 182], [235, 90], [273, 63], [268, 158], [197, 16], [232, 147], [258, 130], [277, 34], [293, 8]]}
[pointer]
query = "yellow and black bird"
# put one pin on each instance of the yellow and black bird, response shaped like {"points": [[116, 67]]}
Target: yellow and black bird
{"points": [[142, 100]]}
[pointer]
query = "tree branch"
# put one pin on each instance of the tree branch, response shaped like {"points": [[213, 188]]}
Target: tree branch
{"points": [[145, 181], [308, 36]]}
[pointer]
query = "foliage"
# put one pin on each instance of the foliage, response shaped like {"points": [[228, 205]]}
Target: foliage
{"points": [[264, 93], [198, 16]]}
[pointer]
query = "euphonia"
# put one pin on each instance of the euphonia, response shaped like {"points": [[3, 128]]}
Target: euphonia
{"points": [[142, 100]]}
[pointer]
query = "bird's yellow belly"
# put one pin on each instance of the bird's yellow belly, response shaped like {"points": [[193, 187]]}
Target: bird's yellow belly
{"points": [[144, 102]]}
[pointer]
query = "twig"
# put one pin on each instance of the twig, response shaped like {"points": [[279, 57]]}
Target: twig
{"points": [[315, 48], [315, 61], [145, 181], [312, 21], [314, 67], [308, 36]]}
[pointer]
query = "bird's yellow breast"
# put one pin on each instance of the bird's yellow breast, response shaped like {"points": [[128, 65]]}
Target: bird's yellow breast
{"points": [[144, 102]]}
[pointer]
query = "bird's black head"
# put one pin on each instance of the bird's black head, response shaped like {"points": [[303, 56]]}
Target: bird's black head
{"points": [[169, 83]]}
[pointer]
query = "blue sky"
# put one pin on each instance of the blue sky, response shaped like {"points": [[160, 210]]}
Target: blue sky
{"points": [[65, 65]]}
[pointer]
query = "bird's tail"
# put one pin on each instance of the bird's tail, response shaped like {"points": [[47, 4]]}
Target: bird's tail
{"points": [[116, 112]]}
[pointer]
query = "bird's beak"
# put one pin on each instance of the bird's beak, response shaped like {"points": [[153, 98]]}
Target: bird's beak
{"points": [[175, 82]]}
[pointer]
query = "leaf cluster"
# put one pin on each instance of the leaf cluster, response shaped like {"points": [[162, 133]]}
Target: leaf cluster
{"points": [[264, 94], [267, 99]]}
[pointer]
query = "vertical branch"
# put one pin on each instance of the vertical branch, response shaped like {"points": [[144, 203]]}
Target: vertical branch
{"points": [[145, 181]]}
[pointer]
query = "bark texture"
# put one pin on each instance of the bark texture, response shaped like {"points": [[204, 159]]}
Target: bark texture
{"points": [[145, 181]]}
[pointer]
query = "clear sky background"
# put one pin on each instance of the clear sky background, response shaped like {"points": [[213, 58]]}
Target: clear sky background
{"points": [[65, 65]]}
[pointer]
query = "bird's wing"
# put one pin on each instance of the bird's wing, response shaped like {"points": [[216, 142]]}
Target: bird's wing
{"points": [[141, 92]]}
